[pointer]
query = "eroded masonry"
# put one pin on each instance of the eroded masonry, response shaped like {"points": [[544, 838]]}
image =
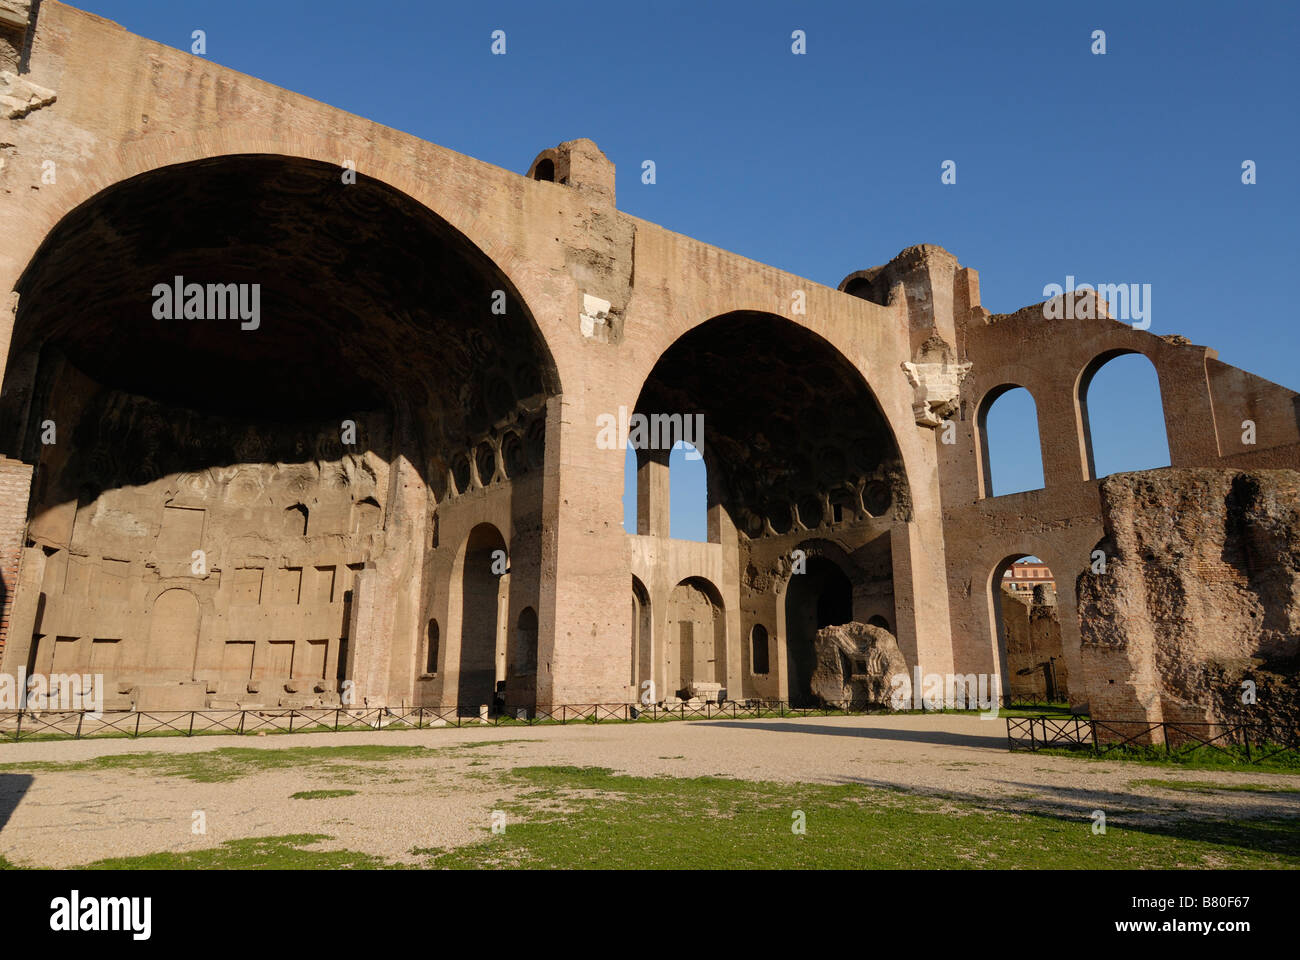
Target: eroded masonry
{"points": [[296, 407]]}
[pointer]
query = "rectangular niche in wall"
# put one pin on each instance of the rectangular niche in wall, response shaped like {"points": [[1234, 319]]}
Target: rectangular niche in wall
{"points": [[77, 581], [104, 653], [311, 664], [324, 592], [181, 533], [237, 660], [288, 586], [279, 659], [246, 590], [66, 650], [111, 581]]}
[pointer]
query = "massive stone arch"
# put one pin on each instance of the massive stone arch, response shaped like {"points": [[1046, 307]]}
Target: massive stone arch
{"points": [[172, 440], [796, 446]]}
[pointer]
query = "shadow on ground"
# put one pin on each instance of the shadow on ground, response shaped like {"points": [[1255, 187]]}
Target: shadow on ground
{"points": [[940, 737], [13, 787], [1269, 827]]}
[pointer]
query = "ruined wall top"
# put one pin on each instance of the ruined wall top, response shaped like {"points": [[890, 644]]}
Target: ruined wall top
{"points": [[579, 164]]}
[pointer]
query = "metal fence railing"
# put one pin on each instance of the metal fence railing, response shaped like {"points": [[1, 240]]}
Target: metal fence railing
{"points": [[81, 724], [1251, 742]]}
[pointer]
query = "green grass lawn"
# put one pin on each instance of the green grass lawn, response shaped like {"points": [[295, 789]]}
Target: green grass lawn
{"points": [[1206, 786], [568, 817], [256, 853], [663, 823], [232, 763]]}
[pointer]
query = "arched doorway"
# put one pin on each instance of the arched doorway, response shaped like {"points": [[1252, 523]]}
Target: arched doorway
{"points": [[695, 654], [642, 652], [483, 593], [821, 596], [173, 637], [521, 676], [1030, 656]]}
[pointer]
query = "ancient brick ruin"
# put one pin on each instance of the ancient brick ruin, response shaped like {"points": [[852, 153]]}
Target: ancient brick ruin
{"points": [[382, 479]]}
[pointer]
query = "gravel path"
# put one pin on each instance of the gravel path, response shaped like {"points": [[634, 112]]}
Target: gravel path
{"points": [[65, 818]]}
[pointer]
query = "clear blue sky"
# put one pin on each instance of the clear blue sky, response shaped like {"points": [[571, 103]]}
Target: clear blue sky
{"points": [[1117, 168]]}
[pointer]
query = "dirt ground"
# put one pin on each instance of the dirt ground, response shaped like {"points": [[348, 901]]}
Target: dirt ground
{"points": [[65, 818]]}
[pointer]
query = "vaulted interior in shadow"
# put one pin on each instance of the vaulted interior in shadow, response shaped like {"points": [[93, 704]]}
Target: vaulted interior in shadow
{"points": [[229, 374], [793, 437]]}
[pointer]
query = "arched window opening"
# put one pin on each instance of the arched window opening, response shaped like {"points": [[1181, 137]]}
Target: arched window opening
{"points": [[629, 491], [295, 520], [1012, 455], [758, 650], [431, 649], [688, 496], [1123, 416]]}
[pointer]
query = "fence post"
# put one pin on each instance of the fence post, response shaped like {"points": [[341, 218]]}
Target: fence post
{"points": [[137, 723], [81, 716], [291, 713], [18, 729], [337, 711], [1246, 733], [242, 715], [191, 733]]}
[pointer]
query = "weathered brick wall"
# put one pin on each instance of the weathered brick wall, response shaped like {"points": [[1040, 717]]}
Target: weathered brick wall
{"points": [[1200, 591], [15, 484]]}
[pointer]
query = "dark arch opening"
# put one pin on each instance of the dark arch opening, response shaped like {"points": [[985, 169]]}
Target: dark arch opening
{"points": [[481, 588], [827, 434], [367, 343], [822, 596], [758, 650], [431, 649], [642, 625]]}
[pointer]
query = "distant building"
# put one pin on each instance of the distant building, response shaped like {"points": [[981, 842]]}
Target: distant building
{"points": [[1023, 575]]}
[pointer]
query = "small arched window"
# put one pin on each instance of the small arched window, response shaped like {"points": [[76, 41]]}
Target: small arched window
{"points": [[295, 520], [431, 649], [758, 652]]}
